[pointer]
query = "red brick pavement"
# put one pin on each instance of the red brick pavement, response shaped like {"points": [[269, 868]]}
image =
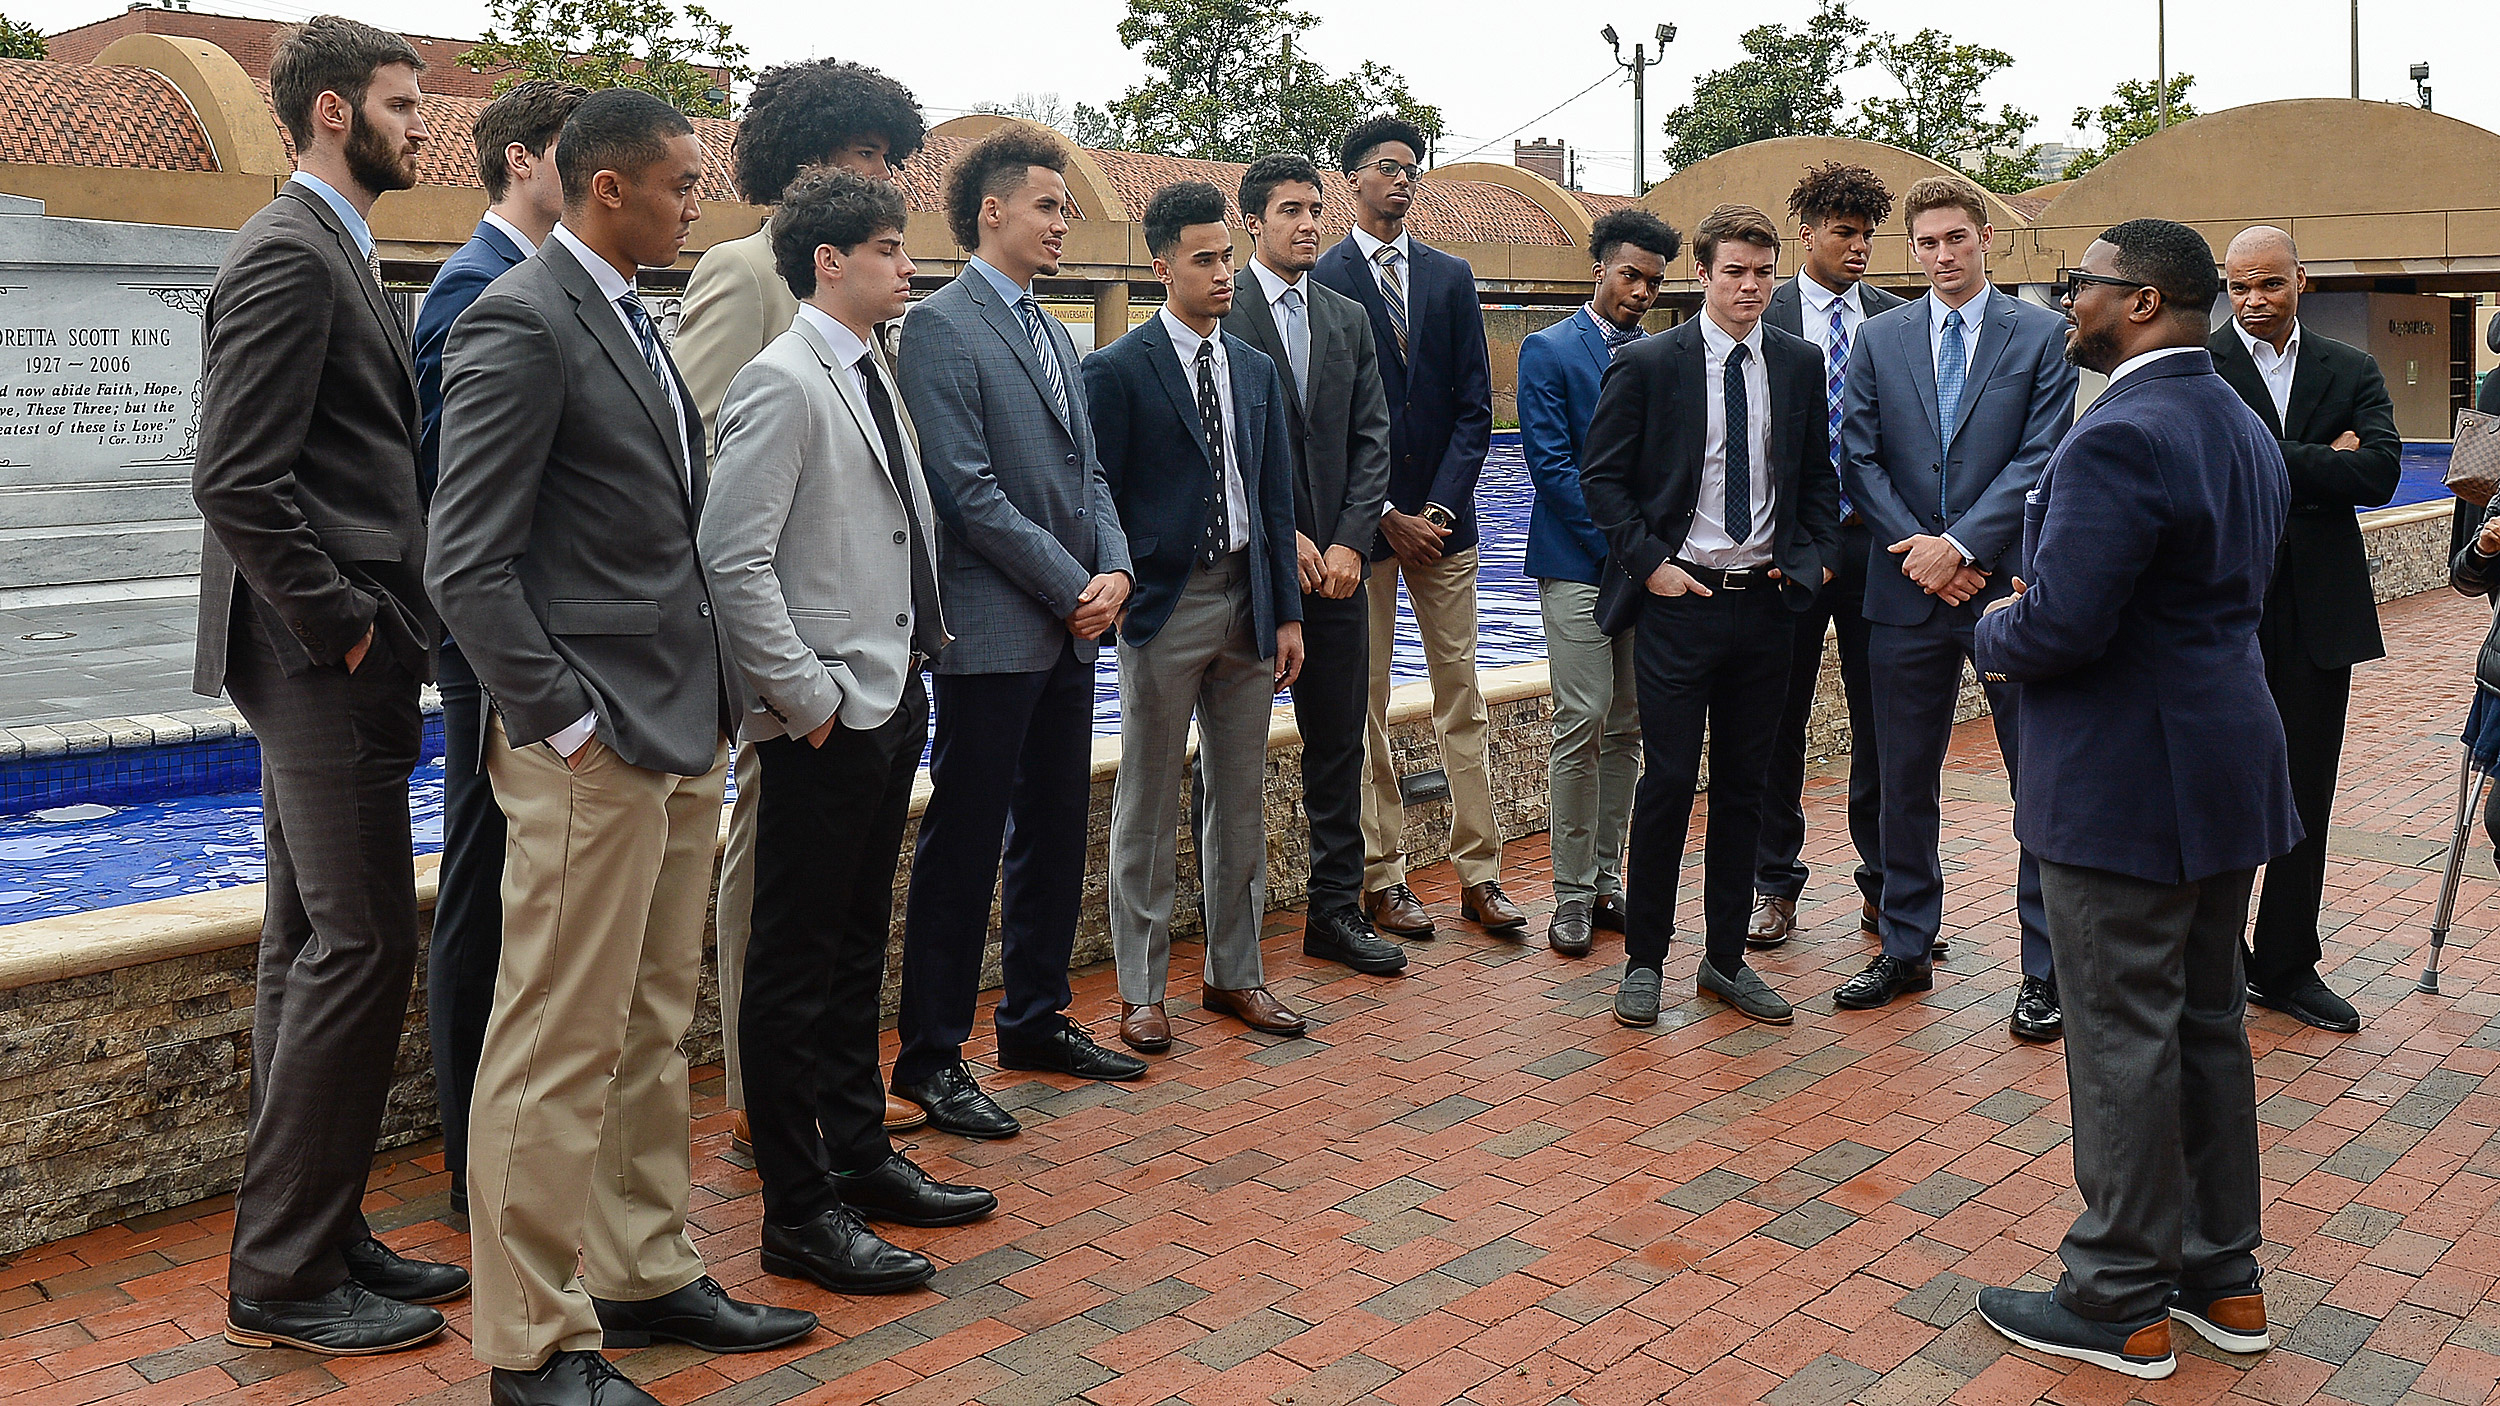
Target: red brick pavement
{"points": [[1472, 1186]]}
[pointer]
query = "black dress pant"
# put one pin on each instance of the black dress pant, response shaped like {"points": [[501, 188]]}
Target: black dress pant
{"points": [[1719, 661], [338, 949], [1011, 765], [828, 837], [468, 910], [1842, 605], [1330, 702], [2284, 947]]}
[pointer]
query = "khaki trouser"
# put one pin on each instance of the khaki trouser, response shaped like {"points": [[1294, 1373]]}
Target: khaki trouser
{"points": [[733, 918], [578, 1130], [1443, 595], [1596, 760]]}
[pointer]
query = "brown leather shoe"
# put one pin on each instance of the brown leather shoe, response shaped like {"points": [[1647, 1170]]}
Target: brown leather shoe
{"points": [[1396, 911], [1609, 914], [1870, 923], [1252, 1007], [1488, 907], [1773, 920], [1144, 1029], [902, 1115]]}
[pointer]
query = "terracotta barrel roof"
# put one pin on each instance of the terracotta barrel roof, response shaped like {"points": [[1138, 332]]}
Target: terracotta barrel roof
{"points": [[65, 115]]}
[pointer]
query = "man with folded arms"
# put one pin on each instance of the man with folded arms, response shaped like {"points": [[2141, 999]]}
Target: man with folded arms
{"points": [[817, 542]]}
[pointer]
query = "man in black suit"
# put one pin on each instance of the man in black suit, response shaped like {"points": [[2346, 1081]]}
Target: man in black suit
{"points": [[1708, 467], [1338, 415], [314, 620], [2328, 405], [1837, 208]]}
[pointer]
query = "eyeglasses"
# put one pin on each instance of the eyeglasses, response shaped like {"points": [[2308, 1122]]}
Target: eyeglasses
{"points": [[2071, 282], [1395, 169]]}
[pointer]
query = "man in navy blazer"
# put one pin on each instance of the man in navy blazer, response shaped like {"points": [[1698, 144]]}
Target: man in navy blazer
{"points": [[515, 138], [2153, 783], [1433, 364], [1946, 513], [1190, 423], [1596, 756]]}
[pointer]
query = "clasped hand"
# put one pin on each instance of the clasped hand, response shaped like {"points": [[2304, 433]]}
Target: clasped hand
{"points": [[1936, 565]]}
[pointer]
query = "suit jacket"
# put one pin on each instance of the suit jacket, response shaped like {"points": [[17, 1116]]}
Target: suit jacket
{"points": [[1028, 518], [2017, 400], [1559, 371], [456, 284], [1642, 465], [306, 474], [1340, 436], [565, 525], [1787, 311], [736, 303], [2150, 744], [2322, 607], [808, 545], [1154, 457], [1440, 390]]}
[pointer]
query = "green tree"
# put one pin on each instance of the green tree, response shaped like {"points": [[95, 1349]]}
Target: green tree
{"points": [[678, 53], [21, 41], [2132, 114], [1788, 85], [1939, 114], [1225, 85]]}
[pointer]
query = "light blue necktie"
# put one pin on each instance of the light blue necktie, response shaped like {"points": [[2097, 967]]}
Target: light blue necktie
{"points": [[1835, 381], [1297, 342], [1951, 366]]}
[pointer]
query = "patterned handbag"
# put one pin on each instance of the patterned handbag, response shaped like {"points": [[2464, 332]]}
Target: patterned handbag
{"points": [[2474, 462]]}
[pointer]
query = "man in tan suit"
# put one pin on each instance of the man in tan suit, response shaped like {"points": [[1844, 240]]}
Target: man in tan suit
{"points": [[819, 113]]}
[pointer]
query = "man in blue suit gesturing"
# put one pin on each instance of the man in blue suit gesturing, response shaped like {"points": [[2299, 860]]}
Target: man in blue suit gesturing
{"points": [[2153, 784], [1953, 404]]}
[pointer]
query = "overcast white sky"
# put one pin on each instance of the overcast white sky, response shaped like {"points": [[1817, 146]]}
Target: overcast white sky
{"points": [[1496, 67]]}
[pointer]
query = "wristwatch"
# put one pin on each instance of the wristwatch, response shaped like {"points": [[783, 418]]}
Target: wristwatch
{"points": [[1439, 516]]}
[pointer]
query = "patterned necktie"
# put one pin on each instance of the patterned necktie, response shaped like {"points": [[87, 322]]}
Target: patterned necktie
{"points": [[647, 337], [1617, 338], [924, 598], [1297, 330], [1031, 313], [1952, 364], [1737, 516], [1211, 420], [1393, 292], [1836, 380]]}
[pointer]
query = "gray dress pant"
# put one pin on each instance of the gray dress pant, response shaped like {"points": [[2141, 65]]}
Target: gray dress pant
{"points": [[1205, 662], [2165, 1098]]}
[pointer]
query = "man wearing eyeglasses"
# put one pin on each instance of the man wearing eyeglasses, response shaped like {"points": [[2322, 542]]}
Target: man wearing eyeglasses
{"points": [[1953, 405], [1430, 330]]}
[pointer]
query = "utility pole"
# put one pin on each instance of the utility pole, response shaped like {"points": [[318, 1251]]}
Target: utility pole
{"points": [[2356, 50], [1640, 63], [2161, 56]]}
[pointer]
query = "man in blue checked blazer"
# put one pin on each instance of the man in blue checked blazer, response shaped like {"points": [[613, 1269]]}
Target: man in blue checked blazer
{"points": [[1035, 571]]}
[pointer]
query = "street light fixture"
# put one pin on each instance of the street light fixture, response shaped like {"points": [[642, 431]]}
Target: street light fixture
{"points": [[1640, 63], [2421, 74]]}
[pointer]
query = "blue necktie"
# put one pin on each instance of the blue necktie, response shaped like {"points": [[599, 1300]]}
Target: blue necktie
{"points": [[1951, 366], [1835, 381], [1737, 516]]}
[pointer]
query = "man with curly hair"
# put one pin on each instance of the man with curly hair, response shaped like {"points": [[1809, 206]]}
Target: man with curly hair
{"points": [[1837, 208], [819, 113]]}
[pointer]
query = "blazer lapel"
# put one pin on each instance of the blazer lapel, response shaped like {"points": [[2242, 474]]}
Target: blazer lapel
{"points": [[608, 330], [1916, 348], [2311, 379], [1367, 292], [1259, 329], [1249, 421], [1010, 327], [1165, 358], [1592, 341], [2233, 363], [1993, 335], [845, 391], [384, 311], [1693, 367]]}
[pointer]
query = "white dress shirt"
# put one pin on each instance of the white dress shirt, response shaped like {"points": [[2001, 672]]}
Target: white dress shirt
{"points": [[1273, 288], [2134, 364], [612, 286], [2277, 369], [511, 231], [1406, 266], [1186, 343], [1708, 544], [1816, 302]]}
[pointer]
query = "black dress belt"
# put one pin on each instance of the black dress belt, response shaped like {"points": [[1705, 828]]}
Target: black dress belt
{"points": [[1757, 578]]}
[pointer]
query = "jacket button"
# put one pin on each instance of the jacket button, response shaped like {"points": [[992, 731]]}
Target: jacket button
{"points": [[704, 610], [898, 536], [1080, 512], [902, 619], [1071, 458]]}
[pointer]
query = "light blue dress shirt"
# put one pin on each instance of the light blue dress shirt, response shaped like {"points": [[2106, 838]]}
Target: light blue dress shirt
{"points": [[356, 226]]}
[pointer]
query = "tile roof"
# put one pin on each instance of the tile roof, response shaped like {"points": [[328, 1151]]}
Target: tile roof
{"points": [[61, 115]]}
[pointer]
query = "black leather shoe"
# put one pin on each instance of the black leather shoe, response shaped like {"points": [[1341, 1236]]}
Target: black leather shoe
{"points": [[955, 1104], [838, 1251], [2306, 999], [348, 1321], [1069, 1051], [1884, 979], [897, 1190], [378, 1269], [1344, 935], [702, 1314], [2036, 1014], [568, 1379], [1572, 931], [1608, 915]]}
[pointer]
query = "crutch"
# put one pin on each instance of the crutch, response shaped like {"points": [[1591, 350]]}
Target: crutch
{"points": [[2469, 800]]}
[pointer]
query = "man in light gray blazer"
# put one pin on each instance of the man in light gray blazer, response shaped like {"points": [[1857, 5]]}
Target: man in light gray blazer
{"points": [[572, 480], [816, 539], [1945, 508], [1035, 569]]}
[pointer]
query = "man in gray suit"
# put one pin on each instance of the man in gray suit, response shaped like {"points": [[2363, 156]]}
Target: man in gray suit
{"points": [[1035, 570], [1946, 508], [572, 480], [1337, 414], [313, 618]]}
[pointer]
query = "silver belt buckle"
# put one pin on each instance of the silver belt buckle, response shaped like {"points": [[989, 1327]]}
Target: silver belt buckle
{"points": [[1731, 580]]}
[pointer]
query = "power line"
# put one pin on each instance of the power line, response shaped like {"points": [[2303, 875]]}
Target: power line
{"points": [[1515, 131]]}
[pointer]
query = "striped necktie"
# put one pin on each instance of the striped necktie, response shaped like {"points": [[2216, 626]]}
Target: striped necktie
{"points": [[1392, 292], [1031, 313], [1836, 380]]}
